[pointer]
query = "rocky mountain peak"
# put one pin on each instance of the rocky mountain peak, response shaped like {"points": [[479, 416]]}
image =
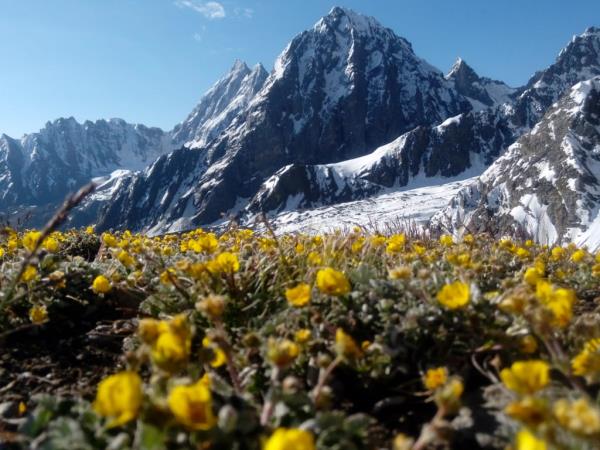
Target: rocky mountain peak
{"points": [[344, 20], [220, 105], [461, 70], [482, 92], [579, 59], [239, 66]]}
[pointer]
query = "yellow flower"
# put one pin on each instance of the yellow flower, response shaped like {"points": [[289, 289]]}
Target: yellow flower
{"points": [[528, 441], [332, 282], [38, 314], [446, 240], [419, 249], [13, 243], [469, 239], [528, 344], [169, 349], [282, 352], [125, 258], [529, 410], [266, 244], [166, 276], [204, 244], [402, 442], [434, 378], [30, 274], [50, 244], [149, 330], [220, 357], [578, 416], [30, 239], [377, 240], [526, 377], [192, 405], [225, 262], [299, 295], [345, 345], [172, 347], [578, 256], [302, 336], [109, 240], [229, 262], [395, 243], [558, 301], [314, 259], [400, 273], [587, 362], [290, 439], [448, 395], [532, 276], [463, 260], [557, 253], [101, 285], [212, 305], [119, 397], [455, 295], [358, 245]]}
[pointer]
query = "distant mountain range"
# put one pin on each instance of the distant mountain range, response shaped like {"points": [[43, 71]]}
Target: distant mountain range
{"points": [[349, 113]]}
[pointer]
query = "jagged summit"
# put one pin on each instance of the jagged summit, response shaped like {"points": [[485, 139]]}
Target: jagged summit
{"points": [[579, 60], [220, 105], [344, 19], [461, 68], [239, 65], [482, 92], [591, 31]]}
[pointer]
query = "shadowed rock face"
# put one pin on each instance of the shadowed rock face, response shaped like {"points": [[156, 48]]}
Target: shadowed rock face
{"points": [[447, 151], [547, 184]]}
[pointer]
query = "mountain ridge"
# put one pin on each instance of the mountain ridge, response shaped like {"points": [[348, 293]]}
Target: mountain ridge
{"points": [[349, 111]]}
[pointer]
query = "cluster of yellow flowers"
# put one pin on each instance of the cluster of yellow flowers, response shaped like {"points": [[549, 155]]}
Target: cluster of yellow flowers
{"points": [[278, 322]]}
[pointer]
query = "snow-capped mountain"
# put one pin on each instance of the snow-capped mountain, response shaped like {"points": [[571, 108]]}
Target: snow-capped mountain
{"points": [[44, 167], [578, 61], [41, 168], [547, 183], [338, 91], [220, 105], [461, 147], [349, 115]]}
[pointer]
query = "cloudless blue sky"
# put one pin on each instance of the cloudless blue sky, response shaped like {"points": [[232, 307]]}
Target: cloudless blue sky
{"points": [[149, 61]]}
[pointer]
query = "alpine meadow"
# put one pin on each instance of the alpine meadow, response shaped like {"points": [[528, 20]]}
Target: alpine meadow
{"points": [[351, 250]]}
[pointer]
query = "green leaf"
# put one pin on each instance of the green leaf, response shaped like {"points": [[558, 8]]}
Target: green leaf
{"points": [[150, 437]]}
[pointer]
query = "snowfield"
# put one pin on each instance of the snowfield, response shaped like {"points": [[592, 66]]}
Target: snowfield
{"points": [[406, 207]]}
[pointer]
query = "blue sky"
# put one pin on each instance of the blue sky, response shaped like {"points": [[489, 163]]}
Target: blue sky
{"points": [[149, 61]]}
